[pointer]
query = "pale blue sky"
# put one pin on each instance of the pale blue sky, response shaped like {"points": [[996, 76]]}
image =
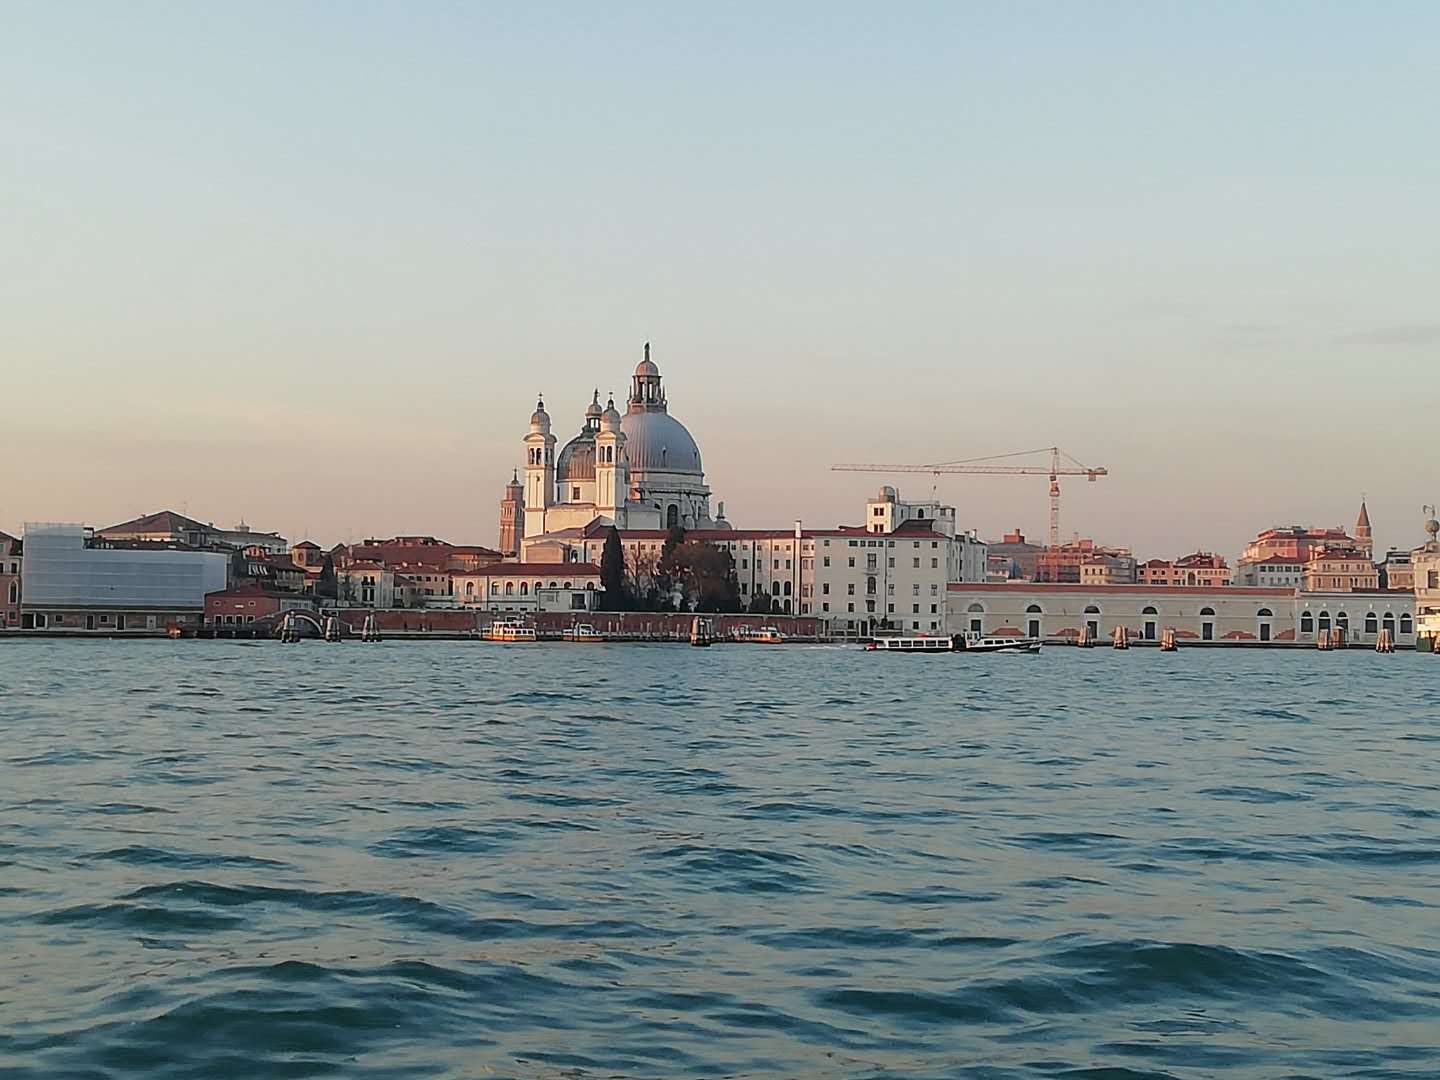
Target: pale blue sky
{"points": [[309, 263]]}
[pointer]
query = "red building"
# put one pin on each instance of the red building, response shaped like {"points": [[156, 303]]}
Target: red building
{"points": [[244, 604]]}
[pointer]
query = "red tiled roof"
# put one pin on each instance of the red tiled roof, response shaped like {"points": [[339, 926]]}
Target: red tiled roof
{"points": [[163, 521]]}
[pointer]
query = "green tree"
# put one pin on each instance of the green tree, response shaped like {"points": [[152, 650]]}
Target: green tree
{"points": [[325, 586], [760, 603], [612, 573]]}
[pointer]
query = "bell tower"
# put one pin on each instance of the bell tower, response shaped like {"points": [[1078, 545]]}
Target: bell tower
{"points": [[512, 516], [612, 472], [539, 493]]}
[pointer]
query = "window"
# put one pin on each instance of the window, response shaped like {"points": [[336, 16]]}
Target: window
{"points": [[777, 564], [849, 607], [1307, 623], [509, 588], [852, 559], [787, 564], [850, 588], [524, 588], [915, 589], [934, 564], [1033, 609], [917, 563], [825, 607], [892, 562], [1407, 625], [1372, 623], [825, 588], [934, 609], [934, 589], [787, 588], [827, 557]]}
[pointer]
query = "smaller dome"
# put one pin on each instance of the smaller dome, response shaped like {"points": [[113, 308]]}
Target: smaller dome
{"points": [[647, 368], [1432, 527], [593, 410], [611, 416], [540, 416]]}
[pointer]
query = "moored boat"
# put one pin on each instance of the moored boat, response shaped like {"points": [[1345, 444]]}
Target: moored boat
{"points": [[702, 632], [583, 632], [510, 630], [767, 635]]}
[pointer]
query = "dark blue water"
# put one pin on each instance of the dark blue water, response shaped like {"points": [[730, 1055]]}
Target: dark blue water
{"points": [[415, 860]]}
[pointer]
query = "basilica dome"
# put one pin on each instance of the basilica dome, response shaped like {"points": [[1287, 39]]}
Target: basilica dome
{"points": [[577, 459], [656, 442]]}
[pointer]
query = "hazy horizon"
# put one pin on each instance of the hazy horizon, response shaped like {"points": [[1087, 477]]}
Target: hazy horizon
{"points": [[310, 264]]}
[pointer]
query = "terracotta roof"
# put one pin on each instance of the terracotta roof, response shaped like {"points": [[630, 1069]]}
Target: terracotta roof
{"points": [[163, 521], [308, 545]]}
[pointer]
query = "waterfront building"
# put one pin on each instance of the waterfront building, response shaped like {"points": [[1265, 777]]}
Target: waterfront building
{"points": [[1014, 558], [529, 587], [1296, 542], [1361, 613], [636, 470], [1425, 565], [1340, 570], [1275, 572], [308, 555], [372, 584], [1202, 568], [1396, 572], [10, 558], [1234, 615], [854, 578], [1107, 570], [241, 605], [1063, 564], [72, 579], [168, 527]]}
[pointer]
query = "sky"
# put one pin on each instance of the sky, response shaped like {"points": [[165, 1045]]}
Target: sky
{"points": [[309, 264]]}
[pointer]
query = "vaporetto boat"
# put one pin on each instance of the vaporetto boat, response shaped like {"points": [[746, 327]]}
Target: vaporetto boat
{"points": [[967, 643]]}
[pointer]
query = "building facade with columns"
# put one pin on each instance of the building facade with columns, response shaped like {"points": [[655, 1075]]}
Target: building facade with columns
{"points": [[1235, 615]]}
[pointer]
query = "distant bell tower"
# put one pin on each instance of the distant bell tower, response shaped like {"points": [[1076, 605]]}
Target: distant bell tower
{"points": [[512, 517], [539, 471], [1363, 539]]}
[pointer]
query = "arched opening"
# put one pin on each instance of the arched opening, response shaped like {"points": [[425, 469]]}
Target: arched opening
{"points": [[1032, 622], [469, 589], [977, 618], [524, 588], [1307, 623], [672, 516], [1207, 625], [1407, 625], [1151, 616], [1324, 622], [509, 588], [1092, 626], [1389, 622], [1342, 621], [1372, 623], [1264, 615], [787, 590], [787, 607]]}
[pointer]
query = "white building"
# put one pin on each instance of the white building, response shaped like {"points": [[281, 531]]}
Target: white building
{"points": [[73, 581], [528, 587], [168, 527], [1233, 614], [1274, 572], [892, 572], [639, 470], [1425, 565]]}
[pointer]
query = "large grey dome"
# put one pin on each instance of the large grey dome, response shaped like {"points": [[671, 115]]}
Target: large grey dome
{"points": [[656, 442], [577, 459]]}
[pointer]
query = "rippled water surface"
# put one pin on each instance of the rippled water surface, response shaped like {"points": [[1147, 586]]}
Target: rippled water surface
{"points": [[413, 860]]}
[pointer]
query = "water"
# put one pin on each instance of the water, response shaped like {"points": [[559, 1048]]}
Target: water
{"points": [[461, 860]]}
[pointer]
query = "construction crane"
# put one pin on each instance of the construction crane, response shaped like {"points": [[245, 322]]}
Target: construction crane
{"points": [[974, 466]]}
